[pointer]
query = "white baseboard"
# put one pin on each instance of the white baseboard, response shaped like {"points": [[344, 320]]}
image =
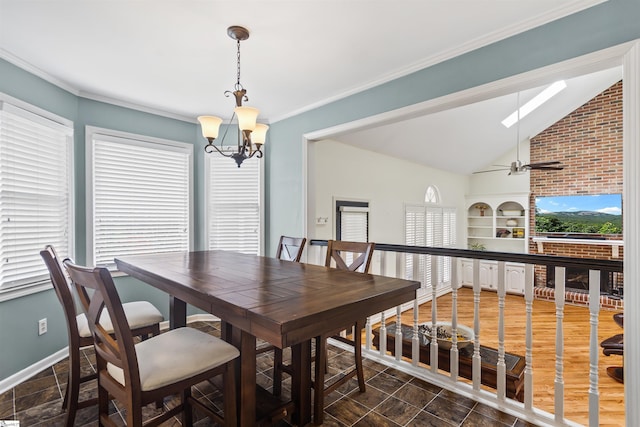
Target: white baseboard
{"points": [[23, 375]]}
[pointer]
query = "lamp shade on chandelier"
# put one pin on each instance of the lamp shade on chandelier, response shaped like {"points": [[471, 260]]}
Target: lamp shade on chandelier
{"points": [[251, 135]]}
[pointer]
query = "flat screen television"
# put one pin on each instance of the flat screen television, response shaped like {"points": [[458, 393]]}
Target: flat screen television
{"points": [[579, 215]]}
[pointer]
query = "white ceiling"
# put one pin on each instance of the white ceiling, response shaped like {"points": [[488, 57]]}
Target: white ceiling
{"points": [[469, 138], [174, 57]]}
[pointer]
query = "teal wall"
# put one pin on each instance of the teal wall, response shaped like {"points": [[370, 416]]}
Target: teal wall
{"points": [[21, 346], [605, 25]]}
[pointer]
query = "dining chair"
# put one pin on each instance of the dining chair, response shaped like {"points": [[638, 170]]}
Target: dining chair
{"points": [[144, 320], [164, 365], [289, 249], [351, 256], [615, 345]]}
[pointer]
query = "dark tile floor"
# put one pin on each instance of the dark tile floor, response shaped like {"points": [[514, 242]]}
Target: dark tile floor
{"points": [[392, 398]]}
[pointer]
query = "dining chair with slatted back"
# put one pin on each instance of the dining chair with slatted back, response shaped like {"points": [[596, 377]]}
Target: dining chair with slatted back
{"points": [[164, 365], [351, 256], [143, 317]]}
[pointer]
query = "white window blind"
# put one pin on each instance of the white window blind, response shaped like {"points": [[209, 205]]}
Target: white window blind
{"points": [[429, 226], [35, 193], [354, 224], [141, 197], [234, 205]]}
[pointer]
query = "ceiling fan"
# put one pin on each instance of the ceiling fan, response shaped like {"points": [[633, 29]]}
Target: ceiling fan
{"points": [[517, 167]]}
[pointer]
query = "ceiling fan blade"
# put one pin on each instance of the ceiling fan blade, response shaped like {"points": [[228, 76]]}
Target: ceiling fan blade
{"points": [[548, 168], [492, 170], [544, 163]]}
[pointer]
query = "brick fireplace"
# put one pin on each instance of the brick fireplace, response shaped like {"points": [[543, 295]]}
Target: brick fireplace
{"points": [[588, 142]]}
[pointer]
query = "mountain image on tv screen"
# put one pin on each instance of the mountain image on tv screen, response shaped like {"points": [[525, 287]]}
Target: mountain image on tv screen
{"points": [[585, 214]]}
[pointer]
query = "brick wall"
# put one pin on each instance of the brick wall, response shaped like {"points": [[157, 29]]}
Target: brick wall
{"points": [[588, 142]]}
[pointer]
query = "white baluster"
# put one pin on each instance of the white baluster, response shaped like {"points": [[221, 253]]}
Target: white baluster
{"points": [[455, 285], [434, 314], [399, 335], [501, 366], [528, 369], [559, 381], [383, 335], [476, 370], [594, 348], [415, 341]]}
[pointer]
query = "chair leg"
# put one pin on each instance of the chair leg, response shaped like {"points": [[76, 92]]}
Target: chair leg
{"points": [[357, 339], [277, 372], [187, 410], [318, 383], [103, 407], [230, 410], [72, 393]]}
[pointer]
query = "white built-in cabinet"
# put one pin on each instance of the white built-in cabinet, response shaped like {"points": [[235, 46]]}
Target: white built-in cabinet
{"points": [[497, 222], [488, 275], [503, 224]]}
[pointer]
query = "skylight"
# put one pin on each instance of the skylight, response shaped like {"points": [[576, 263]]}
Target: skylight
{"points": [[537, 101]]}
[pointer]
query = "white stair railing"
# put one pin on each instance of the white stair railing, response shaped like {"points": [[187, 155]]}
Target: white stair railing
{"points": [[393, 264]]}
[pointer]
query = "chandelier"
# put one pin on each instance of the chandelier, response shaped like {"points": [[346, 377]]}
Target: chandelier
{"points": [[251, 135]]}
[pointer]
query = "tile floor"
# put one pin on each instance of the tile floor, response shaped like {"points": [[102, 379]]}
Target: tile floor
{"points": [[392, 398]]}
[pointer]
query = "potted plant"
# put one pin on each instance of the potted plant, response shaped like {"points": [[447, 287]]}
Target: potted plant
{"points": [[477, 247]]}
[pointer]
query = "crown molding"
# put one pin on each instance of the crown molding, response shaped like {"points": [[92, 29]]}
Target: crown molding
{"points": [[26, 66], [137, 107]]}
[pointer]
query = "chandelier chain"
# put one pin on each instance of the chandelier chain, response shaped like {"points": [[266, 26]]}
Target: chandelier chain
{"points": [[238, 85]]}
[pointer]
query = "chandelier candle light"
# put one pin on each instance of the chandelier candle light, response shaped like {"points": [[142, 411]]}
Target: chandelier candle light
{"points": [[251, 135]]}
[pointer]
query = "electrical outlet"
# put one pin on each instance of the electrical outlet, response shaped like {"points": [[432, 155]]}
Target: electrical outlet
{"points": [[42, 326]]}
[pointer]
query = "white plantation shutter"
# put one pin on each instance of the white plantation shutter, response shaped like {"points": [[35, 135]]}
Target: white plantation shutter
{"points": [[448, 239], [35, 193], [433, 238], [141, 197], [430, 226], [234, 204], [415, 222]]}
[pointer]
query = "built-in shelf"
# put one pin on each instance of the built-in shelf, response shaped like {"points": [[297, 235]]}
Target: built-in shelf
{"points": [[615, 244], [498, 222]]}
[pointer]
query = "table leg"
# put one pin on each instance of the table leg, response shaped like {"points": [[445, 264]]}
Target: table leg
{"points": [[177, 313], [301, 382], [245, 376]]}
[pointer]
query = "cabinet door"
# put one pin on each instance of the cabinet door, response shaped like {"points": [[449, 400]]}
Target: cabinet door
{"points": [[488, 275], [514, 278], [466, 274]]}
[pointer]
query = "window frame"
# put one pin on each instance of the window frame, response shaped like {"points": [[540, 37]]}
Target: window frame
{"points": [[45, 116], [133, 139], [356, 206]]}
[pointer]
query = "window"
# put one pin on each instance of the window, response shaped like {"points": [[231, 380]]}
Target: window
{"points": [[432, 195], [36, 183], [140, 198], [429, 226], [352, 221], [234, 205]]}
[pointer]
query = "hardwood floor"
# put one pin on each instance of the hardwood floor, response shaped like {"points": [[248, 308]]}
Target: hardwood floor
{"points": [[576, 343]]}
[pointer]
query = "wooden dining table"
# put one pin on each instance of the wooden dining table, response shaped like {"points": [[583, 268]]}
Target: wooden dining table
{"points": [[284, 303]]}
